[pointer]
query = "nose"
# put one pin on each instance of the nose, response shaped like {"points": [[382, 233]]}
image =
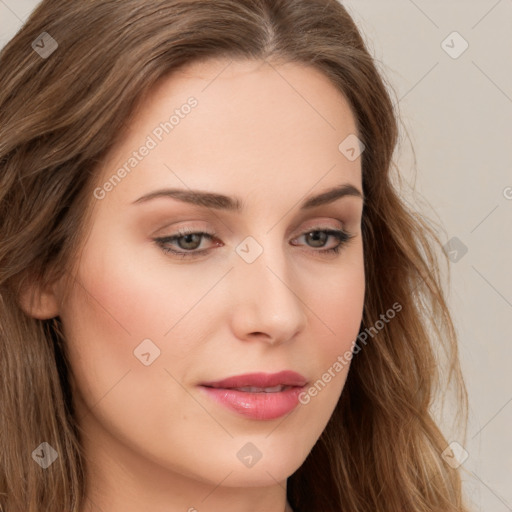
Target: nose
{"points": [[266, 305]]}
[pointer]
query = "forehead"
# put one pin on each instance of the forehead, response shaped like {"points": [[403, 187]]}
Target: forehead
{"points": [[235, 127]]}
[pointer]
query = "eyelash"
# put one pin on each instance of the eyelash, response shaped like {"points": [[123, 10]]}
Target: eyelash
{"points": [[342, 236]]}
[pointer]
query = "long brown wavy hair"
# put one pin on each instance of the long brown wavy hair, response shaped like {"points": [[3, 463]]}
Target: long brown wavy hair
{"points": [[59, 116]]}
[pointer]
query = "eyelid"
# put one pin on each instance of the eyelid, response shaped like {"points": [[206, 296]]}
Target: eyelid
{"points": [[317, 223]]}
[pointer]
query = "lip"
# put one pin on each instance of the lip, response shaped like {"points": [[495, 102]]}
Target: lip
{"points": [[260, 380], [258, 405]]}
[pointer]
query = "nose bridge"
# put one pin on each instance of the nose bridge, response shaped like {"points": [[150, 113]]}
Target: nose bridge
{"points": [[267, 302]]}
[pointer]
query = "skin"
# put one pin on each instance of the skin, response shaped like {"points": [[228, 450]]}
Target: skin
{"points": [[268, 135]]}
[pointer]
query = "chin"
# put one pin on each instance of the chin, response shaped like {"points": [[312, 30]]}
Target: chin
{"points": [[279, 457]]}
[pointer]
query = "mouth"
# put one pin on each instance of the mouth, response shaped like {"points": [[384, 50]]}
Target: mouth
{"points": [[259, 396], [254, 389]]}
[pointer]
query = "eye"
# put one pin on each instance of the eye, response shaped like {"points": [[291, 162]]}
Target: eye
{"points": [[186, 243], [319, 237]]}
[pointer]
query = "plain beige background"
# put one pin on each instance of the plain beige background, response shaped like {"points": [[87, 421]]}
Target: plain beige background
{"points": [[449, 64]]}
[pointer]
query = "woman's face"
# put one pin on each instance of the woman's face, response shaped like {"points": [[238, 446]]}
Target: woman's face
{"points": [[156, 312]]}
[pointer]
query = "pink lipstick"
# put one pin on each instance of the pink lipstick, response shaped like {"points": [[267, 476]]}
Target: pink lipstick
{"points": [[260, 396]]}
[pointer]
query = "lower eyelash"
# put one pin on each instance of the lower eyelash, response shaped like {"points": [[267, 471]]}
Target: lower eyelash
{"points": [[342, 236]]}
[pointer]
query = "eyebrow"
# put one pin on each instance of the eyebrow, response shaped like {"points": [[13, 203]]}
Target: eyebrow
{"points": [[223, 202]]}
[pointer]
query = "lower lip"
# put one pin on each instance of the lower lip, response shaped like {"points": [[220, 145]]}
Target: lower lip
{"points": [[257, 406]]}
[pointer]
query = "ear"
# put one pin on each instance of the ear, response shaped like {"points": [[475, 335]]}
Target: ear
{"points": [[39, 301]]}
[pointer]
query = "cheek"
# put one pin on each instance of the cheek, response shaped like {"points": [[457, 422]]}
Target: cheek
{"points": [[339, 303], [334, 330], [107, 315], [132, 292]]}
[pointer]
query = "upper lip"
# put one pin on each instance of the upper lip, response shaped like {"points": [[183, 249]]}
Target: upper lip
{"points": [[260, 380]]}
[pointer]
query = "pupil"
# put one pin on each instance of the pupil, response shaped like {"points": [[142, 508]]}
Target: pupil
{"points": [[317, 237], [190, 241]]}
